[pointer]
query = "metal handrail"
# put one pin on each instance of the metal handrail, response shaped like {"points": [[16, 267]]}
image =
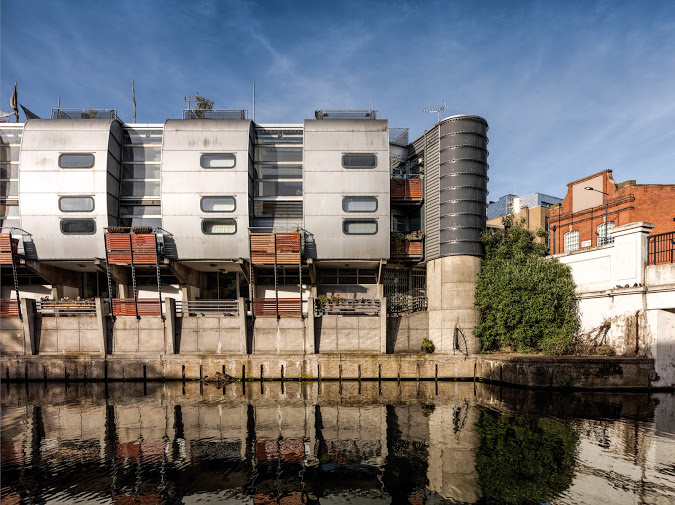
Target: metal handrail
{"points": [[348, 306], [411, 301], [84, 113], [223, 307], [74, 308], [661, 248], [215, 114]]}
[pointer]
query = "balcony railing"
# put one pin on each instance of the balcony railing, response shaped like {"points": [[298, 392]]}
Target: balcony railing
{"points": [[412, 301], [267, 307], [84, 113], [661, 248], [120, 246], [407, 248], [406, 189], [275, 248], [215, 114], [347, 307], [127, 307], [345, 114], [74, 308], [212, 307]]}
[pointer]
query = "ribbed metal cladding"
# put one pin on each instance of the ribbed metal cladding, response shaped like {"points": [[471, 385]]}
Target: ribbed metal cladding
{"points": [[463, 184]]}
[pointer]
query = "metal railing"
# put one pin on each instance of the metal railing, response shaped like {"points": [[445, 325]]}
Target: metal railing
{"points": [[74, 308], [84, 113], [412, 301], [398, 136], [345, 307], [345, 114], [661, 248], [218, 307], [215, 114]]}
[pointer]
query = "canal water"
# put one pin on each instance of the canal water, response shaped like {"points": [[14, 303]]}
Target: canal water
{"points": [[333, 443]]}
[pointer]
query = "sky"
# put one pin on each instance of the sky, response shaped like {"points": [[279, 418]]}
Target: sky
{"points": [[568, 88]]}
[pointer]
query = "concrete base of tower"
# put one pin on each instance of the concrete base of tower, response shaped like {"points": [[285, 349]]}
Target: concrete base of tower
{"points": [[453, 316]]}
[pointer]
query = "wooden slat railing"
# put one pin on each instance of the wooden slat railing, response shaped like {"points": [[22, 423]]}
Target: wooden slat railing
{"points": [[9, 307], [146, 307], [119, 250], [84, 308], [287, 248], [408, 248], [7, 243], [267, 307], [407, 189]]}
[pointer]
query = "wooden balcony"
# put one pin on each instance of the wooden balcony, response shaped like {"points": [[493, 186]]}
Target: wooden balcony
{"points": [[7, 244], [127, 307], [9, 307], [267, 307], [120, 247], [275, 248], [407, 249], [407, 189]]}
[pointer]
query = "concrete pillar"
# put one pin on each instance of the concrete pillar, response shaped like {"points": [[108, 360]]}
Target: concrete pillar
{"points": [[102, 321], [189, 292], [31, 345], [629, 254], [241, 302], [310, 347], [383, 325], [124, 291], [57, 292], [170, 324], [451, 285]]}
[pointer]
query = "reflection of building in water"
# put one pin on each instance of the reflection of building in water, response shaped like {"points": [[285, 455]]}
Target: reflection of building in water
{"points": [[453, 444]]}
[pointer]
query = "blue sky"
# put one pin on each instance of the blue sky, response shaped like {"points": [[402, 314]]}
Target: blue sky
{"points": [[568, 88]]}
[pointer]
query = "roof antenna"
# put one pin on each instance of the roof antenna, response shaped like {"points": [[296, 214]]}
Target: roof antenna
{"points": [[443, 108], [133, 97], [254, 101]]}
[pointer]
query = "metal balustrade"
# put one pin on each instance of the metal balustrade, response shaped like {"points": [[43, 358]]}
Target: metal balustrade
{"points": [[661, 248], [347, 306], [217, 307], [74, 308], [412, 301]]}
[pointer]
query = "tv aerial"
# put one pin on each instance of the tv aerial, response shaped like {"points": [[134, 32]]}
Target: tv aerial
{"points": [[443, 108]]}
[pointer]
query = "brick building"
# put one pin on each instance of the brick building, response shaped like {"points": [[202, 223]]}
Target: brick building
{"points": [[578, 222]]}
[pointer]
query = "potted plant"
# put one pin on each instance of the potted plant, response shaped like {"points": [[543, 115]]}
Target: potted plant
{"points": [[427, 345]]}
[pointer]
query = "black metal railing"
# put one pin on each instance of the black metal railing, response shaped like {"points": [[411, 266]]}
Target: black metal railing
{"points": [[412, 301], [661, 248], [347, 307]]}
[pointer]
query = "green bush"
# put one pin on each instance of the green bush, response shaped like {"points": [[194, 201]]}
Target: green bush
{"points": [[526, 301]]}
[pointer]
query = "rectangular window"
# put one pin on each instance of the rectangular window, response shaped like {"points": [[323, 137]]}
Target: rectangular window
{"points": [[359, 204], [278, 188], [76, 160], [263, 136], [218, 160], [359, 227], [140, 210], [76, 204], [219, 226], [9, 153], [605, 233], [359, 160], [78, 226], [277, 154], [278, 171], [140, 188], [138, 136], [9, 171], [141, 153], [218, 204], [571, 241], [140, 171]]}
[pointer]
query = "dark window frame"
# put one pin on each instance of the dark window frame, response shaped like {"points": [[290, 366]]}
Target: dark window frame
{"points": [[218, 219], [344, 198], [201, 203], [203, 155], [92, 220], [93, 202], [345, 222], [359, 167]]}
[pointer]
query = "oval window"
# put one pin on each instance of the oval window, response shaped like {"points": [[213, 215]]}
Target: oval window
{"points": [[359, 160], [359, 204], [359, 227], [76, 204], [218, 160], [219, 226], [78, 226], [218, 204], [76, 160]]}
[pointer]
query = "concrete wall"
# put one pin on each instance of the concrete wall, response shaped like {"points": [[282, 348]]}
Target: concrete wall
{"points": [[145, 335], [12, 341], [211, 334], [348, 333], [406, 332], [451, 286], [69, 334], [279, 336], [616, 288]]}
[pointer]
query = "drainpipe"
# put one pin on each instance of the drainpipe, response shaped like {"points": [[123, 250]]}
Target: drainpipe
{"points": [[637, 334]]}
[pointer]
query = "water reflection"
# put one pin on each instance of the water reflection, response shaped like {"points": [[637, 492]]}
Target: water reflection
{"points": [[333, 443]]}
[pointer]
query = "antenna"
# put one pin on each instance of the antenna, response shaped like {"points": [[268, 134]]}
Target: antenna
{"points": [[443, 108], [189, 100]]}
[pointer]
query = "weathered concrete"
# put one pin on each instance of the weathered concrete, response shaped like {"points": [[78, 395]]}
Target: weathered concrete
{"points": [[214, 334], [406, 332], [530, 371], [65, 335], [279, 336], [12, 337], [337, 333], [145, 335]]}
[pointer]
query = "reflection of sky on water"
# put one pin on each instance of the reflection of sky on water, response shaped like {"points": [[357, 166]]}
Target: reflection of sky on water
{"points": [[372, 443]]}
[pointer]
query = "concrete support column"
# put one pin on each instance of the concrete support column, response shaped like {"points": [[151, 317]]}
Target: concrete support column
{"points": [[451, 286], [629, 254], [383, 325], [102, 322], [241, 303], [170, 325], [189, 292], [125, 291], [310, 347], [31, 345]]}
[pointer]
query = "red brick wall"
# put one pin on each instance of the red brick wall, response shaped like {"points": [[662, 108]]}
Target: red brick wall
{"points": [[653, 203]]}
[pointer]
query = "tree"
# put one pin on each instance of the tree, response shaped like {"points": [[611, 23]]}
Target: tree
{"points": [[526, 301], [203, 104]]}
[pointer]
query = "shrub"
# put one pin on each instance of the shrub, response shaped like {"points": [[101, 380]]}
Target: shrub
{"points": [[526, 301], [428, 345]]}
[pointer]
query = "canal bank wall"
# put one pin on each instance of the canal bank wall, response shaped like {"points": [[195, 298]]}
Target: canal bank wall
{"points": [[606, 372]]}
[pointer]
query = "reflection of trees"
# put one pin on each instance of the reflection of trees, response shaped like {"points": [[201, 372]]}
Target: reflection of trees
{"points": [[523, 460]]}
